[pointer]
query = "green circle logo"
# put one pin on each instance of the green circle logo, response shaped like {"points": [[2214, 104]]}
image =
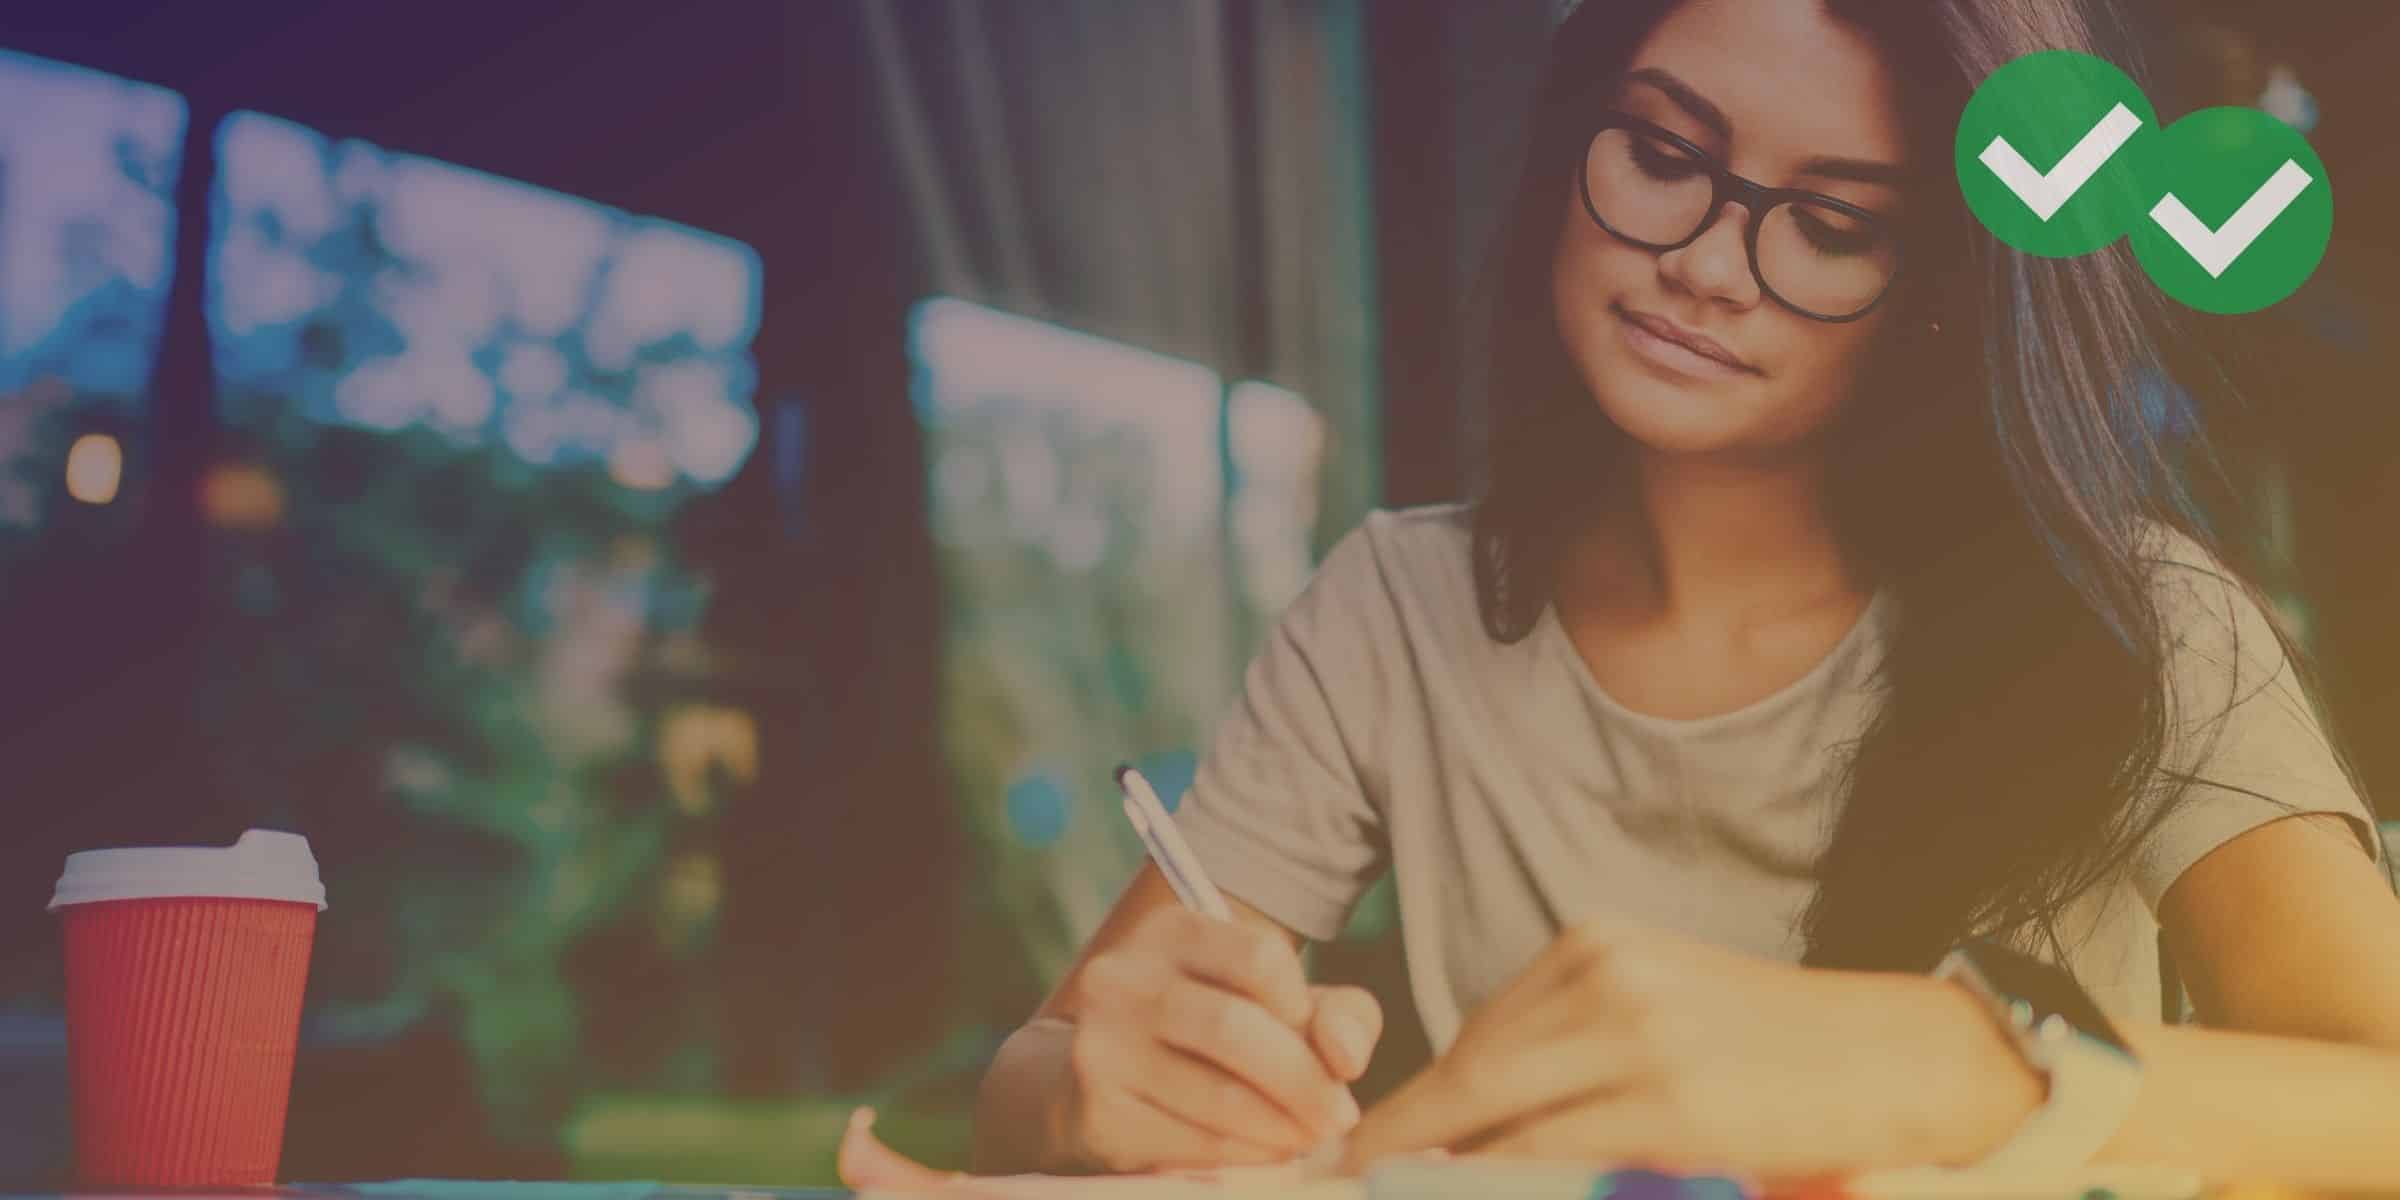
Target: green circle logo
{"points": [[2243, 211], [2047, 153], [2059, 154]]}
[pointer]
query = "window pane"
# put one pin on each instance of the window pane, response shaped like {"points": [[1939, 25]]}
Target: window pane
{"points": [[1078, 501], [88, 164], [463, 412]]}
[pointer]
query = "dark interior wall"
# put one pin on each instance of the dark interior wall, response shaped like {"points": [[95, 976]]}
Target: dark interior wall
{"points": [[2344, 422]]}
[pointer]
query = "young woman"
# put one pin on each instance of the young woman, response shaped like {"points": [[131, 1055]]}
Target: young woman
{"points": [[1827, 604]]}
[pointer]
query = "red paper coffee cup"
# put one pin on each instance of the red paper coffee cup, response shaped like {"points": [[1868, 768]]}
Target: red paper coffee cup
{"points": [[185, 971]]}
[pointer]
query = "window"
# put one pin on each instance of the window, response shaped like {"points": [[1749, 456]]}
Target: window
{"points": [[381, 291], [88, 164], [1113, 525], [464, 413]]}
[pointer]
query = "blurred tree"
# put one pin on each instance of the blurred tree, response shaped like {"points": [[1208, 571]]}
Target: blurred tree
{"points": [[436, 663]]}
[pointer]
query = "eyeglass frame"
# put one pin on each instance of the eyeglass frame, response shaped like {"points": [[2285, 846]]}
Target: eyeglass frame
{"points": [[1756, 197]]}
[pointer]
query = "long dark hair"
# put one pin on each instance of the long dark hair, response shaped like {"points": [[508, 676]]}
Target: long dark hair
{"points": [[2000, 479]]}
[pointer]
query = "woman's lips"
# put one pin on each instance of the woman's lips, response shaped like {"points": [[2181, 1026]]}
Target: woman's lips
{"points": [[1674, 348]]}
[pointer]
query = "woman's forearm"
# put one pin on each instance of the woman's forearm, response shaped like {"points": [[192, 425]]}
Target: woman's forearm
{"points": [[2243, 1106], [1013, 1130], [2229, 1106]]}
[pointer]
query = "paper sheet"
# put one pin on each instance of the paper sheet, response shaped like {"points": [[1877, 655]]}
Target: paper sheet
{"points": [[876, 1170]]}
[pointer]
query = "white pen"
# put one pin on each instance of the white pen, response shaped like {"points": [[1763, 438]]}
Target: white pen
{"points": [[1167, 847], [1192, 886]]}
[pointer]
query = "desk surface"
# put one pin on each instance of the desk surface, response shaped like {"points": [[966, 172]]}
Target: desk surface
{"points": [[465, 1189], [450, 1189]]}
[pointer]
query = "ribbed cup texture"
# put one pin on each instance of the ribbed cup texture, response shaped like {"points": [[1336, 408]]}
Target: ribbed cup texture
{"points": [[182, 1018]]}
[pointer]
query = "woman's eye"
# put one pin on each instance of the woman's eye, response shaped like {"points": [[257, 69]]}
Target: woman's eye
{"points": [[1833, 234], [1662, 164]]}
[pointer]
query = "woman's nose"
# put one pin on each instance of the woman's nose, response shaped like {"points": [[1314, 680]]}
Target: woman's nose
{"points": [[1716, 265]]}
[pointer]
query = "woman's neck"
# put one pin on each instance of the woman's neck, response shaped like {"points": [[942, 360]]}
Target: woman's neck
{"points": [[1736, 543]]}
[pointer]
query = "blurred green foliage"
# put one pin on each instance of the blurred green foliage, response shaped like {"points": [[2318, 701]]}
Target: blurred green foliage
{"points": [[438, 647]]}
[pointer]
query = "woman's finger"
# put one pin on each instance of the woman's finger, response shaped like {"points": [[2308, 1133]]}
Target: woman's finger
{"points": [[1242, 1038], [1138, 1134], [1598, 1133], [1204, 1094], [1245, 960], [1344, 1026], [1581, 950], [865, 1163], [1460, 1099]]}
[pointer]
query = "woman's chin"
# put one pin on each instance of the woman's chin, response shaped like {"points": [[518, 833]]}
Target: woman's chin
{"points": [[1682, 422]]}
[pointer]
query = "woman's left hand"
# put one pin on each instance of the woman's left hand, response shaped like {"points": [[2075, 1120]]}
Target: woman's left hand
{"points": [[1625, 1046]]}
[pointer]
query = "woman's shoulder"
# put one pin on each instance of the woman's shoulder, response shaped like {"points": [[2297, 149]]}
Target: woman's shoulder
{"points": [[2174, 554], [1415, 556], [2197, 594], [2225, 646], [1400, 573], [1438, 532], [2242, 728]]}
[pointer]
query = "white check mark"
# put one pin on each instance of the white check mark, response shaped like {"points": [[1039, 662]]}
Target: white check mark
{"points": [[2215, 249], [2045, 194]]}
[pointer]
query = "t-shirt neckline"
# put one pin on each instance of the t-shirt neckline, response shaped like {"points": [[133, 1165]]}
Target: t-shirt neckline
{"points": [[1556, 641]]}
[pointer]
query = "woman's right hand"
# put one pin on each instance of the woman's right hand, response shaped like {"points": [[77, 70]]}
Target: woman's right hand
{"points": [[1188, 1041]]}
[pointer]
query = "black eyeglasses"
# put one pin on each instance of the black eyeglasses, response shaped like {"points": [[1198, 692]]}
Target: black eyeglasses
{"points": [[1826, 259]]}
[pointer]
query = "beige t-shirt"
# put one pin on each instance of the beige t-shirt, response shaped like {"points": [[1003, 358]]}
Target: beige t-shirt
{"points": [[1381, 728]]}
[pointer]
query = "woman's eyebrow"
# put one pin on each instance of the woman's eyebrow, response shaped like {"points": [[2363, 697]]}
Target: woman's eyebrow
{"points": [[1858, 169], [1685, 98], [1701, 109]]}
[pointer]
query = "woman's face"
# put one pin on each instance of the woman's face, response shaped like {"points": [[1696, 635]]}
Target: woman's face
{"points": [[1786, 96]]}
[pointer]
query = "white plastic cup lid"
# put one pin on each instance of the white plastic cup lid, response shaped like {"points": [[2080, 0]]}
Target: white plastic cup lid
{"points": [[263, 865]]}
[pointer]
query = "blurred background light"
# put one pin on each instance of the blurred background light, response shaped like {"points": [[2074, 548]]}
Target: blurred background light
{"points": [[383, 291], [88, 165], [241, 495], [1279, 445], [95, 465], [641, 465], [1170, 774], [1037, 808], [89, 249], [1033, 373]]}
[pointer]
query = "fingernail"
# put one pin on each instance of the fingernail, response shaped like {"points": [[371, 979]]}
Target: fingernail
{"points": [[1357, 1044], [1346, 1112], [1325, 1157]]}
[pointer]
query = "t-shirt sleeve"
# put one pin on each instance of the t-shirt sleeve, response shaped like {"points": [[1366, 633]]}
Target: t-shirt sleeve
{"points": [[2240, 726], [1280, 812]]}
